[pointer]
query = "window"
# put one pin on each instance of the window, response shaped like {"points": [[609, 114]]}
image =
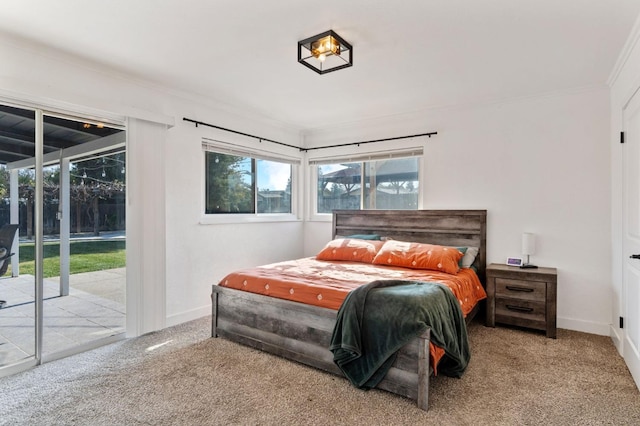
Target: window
{"points": [[378, 184], [240, 184]]}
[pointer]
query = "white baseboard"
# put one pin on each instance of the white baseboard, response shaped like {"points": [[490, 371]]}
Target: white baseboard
{"points": [[601, 329], [187, 316], [616, 337]]}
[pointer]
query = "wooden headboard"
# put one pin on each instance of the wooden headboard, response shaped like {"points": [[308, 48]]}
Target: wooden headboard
{"points": [[455, 228]]}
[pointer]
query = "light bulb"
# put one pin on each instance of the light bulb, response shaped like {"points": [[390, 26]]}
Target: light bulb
{"points": [[322, 57]]}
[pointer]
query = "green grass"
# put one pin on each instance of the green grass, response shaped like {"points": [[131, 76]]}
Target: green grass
{"points": [[86, 256]]}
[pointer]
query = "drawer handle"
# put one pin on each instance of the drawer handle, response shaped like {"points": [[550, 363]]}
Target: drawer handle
{"points": [[519, 308], [522, 289]]}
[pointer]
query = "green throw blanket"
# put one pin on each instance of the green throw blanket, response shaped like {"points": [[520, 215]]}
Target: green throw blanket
{"points": [[377, 319]]}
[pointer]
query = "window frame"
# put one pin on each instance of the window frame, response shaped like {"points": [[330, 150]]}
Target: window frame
{"points": [[313, 164], [212, 145]]}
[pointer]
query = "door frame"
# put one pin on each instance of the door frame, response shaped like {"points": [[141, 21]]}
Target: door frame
{"points": [[630, 355], [38, 162]]}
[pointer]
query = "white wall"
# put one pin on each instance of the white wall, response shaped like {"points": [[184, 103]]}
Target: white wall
{"points": [[199, 255], [540, 165]]}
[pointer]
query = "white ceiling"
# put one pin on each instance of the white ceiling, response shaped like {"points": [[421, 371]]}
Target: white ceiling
{"points": [[409, 55]]}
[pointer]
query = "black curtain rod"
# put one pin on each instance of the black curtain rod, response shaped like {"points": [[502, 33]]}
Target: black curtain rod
{"points": [[239, 133], [308, 149], [372, 141]]}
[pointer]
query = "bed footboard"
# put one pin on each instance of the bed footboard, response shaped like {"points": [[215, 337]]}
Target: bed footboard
{"points": [[302, 333]]}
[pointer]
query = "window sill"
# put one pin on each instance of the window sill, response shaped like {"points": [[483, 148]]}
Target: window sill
{"points": [[222, 219]]}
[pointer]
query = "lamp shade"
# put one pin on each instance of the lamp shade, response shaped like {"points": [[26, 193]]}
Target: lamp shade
{"points": [[528, 243]]}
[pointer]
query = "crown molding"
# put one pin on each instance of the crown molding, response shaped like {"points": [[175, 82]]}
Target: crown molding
{"points": [[628, 47]]}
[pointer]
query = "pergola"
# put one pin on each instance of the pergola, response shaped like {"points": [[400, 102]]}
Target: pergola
{"points": [[64, 140], [398, 170]]}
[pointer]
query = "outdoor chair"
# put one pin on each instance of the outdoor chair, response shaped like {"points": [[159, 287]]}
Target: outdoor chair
{"points": [[7, 235]]}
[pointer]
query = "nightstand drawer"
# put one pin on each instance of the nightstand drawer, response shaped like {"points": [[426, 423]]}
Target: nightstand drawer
{"points": [[519, 289], [521, 312]]}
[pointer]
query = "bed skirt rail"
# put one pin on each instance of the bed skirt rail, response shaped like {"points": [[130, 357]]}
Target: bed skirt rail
{"points": [[302, 333]]}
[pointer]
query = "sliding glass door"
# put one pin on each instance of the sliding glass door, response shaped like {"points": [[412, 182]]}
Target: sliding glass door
{"points": [[83, 240], [64, 183], [18, 323]]}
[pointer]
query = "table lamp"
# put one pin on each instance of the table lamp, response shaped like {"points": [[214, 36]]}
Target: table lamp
{"points": [[528, 248]]}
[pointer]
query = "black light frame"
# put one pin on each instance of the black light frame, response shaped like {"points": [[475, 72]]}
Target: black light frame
{"points": [[344, 46]]}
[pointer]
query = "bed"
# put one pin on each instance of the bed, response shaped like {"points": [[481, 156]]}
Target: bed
{"points": [[302, 332]]}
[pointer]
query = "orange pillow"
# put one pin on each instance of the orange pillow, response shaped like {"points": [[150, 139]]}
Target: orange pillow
{"points": [[419, 256], [353, 250]]}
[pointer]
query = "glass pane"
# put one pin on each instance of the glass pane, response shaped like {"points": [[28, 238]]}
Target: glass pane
{"points": [[274, 187], [387, 184], [230, 183], [391, 184], [17, 286], [84, 235], [339, 187], [51, 228]]}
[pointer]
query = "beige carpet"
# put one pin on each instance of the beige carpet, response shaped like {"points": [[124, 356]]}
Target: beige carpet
{"points": [[180, 376]]}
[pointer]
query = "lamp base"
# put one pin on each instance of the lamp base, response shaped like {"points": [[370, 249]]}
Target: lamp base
{"points": [[528, 266]]}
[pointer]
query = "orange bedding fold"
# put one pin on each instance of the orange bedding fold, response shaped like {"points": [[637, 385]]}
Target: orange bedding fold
{"points": [[327, 283]]}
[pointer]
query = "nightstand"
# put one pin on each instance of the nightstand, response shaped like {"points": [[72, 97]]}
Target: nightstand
{"points": [[522, 297]]}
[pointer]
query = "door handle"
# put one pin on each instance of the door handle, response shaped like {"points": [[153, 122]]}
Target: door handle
{"points": [[634, 256]]}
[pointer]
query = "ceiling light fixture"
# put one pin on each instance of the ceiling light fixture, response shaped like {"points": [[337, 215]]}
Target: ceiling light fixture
{"points": [[325, 52]]}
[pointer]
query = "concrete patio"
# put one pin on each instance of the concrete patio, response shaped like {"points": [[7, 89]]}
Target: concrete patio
{"points": [[94, 309]]}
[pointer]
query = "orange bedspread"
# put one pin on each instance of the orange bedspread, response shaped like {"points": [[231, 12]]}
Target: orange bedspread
{"points": [[327, 283]]}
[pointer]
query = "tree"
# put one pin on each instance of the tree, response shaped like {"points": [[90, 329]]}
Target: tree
{"points": [[230, 183], [335, 190], [90, 181], [394, 185], [94, 180], [4, 182]]}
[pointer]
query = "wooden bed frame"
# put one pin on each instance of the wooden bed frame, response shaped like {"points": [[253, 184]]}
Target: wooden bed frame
{"points": [[302, 332]]}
